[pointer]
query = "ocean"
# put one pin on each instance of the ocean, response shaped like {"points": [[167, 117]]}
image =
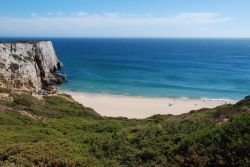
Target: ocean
{"points": [[185, 68]]}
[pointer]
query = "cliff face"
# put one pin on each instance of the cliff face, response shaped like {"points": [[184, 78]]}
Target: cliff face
{"points": [[29, 65]]}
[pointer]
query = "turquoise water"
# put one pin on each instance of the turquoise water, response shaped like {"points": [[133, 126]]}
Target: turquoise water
{"points": [[193, 68]]}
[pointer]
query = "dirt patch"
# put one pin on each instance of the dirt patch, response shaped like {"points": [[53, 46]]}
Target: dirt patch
{"points": [[25, 113]]}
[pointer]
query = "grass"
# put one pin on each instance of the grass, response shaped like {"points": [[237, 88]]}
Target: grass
{"points": [[74, 135]]}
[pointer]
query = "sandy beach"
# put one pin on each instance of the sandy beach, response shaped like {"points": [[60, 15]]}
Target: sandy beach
{"points": [[141, 107]]}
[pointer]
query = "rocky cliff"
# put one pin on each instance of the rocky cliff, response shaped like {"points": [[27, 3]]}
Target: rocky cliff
{"points": [[29, 65]]}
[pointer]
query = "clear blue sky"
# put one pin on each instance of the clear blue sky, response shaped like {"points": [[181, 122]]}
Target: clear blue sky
{"points": [[125, 18]]}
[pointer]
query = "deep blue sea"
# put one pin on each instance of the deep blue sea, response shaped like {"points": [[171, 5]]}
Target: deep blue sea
{"points": [[192, 68]]}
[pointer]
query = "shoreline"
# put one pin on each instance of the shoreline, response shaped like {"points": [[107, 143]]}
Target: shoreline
{"points": [[63, 90], [140, 107]]}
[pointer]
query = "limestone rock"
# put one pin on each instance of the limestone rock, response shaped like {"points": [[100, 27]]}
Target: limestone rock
{"points": [[29, 65]]}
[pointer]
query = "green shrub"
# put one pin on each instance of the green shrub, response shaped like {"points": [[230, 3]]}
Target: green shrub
{"points": [[73, 135], [226, 145], [54, 153], [26, 100], [53, 106], [60, 107]]}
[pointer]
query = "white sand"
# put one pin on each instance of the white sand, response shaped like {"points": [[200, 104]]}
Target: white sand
{"points": [[141, 107]]}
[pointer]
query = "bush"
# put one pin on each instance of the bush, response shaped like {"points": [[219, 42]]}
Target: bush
{"points": [[50, 154], [73, 135], [25, 100]]}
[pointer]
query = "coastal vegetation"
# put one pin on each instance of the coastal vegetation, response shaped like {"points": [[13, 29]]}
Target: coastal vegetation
{"points": [[57, 131]]}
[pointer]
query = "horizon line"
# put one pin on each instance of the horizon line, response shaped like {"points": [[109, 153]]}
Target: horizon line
{"points": [[125, 37]]}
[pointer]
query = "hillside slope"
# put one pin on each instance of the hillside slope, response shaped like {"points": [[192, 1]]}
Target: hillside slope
{"points": [[56, 131]]}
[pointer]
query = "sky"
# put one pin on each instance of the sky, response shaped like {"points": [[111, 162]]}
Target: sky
{"points": [[125, 18]]}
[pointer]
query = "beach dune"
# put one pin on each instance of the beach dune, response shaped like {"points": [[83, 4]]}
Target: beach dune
{"points": [[141, 107]]}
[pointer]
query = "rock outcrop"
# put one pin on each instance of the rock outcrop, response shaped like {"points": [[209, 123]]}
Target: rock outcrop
{"points": [[29, 65]]}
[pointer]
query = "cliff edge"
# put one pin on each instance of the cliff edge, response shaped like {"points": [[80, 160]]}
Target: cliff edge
{"points": [[29, 66]]}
